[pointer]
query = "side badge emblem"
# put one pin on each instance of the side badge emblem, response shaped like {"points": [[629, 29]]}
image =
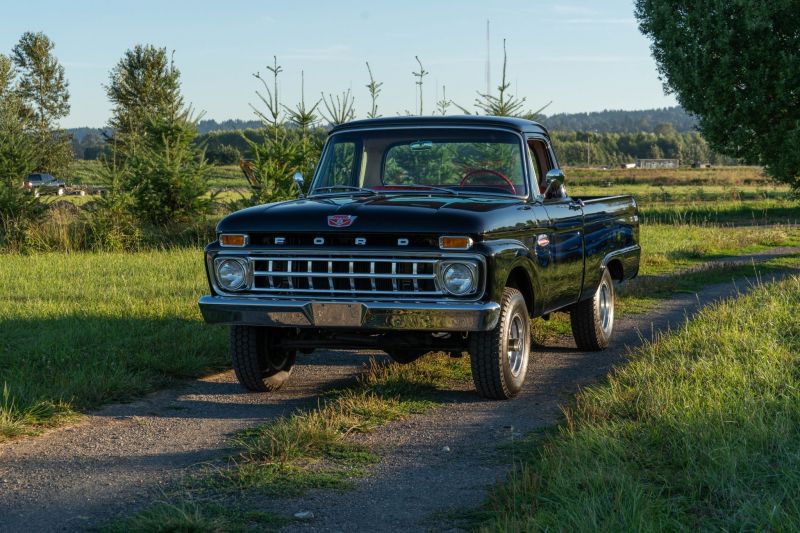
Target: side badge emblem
{"points": [[542, 240]]}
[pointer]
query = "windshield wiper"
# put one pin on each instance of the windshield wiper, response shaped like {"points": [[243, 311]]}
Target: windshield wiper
{"points": [[417, 187], [344, 188]]}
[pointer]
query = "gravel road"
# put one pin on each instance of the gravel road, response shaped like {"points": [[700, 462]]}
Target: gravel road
{"points": [[121, 457]]}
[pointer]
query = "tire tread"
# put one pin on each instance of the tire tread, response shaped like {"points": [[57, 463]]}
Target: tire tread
{"points": [[245, 358], [487, 370]]}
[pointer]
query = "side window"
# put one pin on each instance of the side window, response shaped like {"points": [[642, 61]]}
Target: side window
{"points": [[540, 158]]}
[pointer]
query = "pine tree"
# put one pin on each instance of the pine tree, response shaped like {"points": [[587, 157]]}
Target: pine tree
{"points": [[504, 104], [168, 178], [374, 88]]}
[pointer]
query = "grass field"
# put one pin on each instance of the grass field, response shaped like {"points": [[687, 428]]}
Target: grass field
{"points": [[700, 431], [83, 172], [729, 176], [81, 330]]}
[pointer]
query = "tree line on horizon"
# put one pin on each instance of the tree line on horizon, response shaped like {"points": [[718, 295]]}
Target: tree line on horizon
{"points": [[613, 137]]}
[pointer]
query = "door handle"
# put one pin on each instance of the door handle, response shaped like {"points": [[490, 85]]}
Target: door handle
{"points": [[576, 205]]}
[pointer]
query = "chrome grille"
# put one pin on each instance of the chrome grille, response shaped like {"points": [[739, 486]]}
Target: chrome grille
{"points": [[344, 276]]}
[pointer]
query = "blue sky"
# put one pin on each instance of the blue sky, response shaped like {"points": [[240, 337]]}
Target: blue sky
{"points": [[583, 55]]}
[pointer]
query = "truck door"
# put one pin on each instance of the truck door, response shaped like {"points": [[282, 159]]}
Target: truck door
{"points": [[562, 279]]}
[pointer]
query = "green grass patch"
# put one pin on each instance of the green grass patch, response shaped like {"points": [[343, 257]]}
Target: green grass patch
{"points": [[668, 248], [756, 212], [81, 330], [700, 431], [642, 295], [197, 517]]}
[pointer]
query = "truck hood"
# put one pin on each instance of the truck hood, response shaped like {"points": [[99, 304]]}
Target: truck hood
{"points": [[396, 213]]}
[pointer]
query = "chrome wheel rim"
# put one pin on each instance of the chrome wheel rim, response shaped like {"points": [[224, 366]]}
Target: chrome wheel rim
{"points": [[515, 343], [606, 305]]}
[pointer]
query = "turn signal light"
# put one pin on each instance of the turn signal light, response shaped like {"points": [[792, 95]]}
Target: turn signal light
{"points": [[455, 243], [233, 240]]}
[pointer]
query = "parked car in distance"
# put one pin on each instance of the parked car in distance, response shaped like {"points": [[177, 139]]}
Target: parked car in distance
{"points": [[40, 183], [421, 234]]}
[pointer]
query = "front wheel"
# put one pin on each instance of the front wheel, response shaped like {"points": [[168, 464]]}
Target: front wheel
{"points": [[258, 365], [593, 319], [500, 357]]}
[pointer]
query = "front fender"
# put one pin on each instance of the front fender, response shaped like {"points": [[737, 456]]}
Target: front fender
{"points": [[502, 257]]}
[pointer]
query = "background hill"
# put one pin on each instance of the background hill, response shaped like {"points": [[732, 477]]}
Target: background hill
{"points": [[619, 121]]}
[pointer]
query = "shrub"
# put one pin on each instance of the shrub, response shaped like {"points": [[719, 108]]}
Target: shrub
{"points": [[168, 176]]}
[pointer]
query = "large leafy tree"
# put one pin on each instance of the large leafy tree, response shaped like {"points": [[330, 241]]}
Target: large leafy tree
{"points": [[144, 84], [736, 65], [43, 89]]}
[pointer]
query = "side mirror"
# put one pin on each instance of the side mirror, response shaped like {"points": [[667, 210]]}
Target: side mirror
{"points": [[554, 180], [299, 181]]}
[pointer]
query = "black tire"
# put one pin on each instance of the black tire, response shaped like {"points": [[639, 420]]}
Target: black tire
{"points": [[258, 366], [405, 357], [492, 371], [593, 319]]}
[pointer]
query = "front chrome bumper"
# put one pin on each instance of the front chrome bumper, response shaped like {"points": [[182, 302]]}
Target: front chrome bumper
{"points": [[376, 315]]}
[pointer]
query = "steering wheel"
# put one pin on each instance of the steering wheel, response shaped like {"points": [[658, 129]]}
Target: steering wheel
{"points": [[507, 184]]}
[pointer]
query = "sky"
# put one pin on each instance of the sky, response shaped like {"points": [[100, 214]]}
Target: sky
{"points": [[583, 55]]}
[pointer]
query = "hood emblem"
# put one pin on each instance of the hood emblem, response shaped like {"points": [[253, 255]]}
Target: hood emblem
{"points": [[341, 221]]}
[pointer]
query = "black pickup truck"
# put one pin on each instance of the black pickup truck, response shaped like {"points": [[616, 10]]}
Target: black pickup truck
{"points": [[421, 234]]}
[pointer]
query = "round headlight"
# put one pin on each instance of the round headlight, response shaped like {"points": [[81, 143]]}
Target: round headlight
{"points": [[231, 274], [459, 279]]}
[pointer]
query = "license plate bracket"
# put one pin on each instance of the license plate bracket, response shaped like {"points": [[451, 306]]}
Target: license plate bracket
{"points": [[337, 314]]}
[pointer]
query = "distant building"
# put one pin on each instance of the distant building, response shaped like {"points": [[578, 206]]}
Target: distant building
{"points": [[657, 163]]}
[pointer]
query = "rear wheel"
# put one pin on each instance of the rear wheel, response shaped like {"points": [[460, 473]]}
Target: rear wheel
{"points": [[593, 319], [500, 357], [258, 365]]}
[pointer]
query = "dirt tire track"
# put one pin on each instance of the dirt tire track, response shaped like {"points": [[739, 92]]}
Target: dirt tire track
{"points": [[121, 457]]}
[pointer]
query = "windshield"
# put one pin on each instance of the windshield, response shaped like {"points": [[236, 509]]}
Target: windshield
{"points": [[445, 160]]}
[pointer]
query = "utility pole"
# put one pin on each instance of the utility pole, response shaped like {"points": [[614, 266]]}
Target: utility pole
{"points": [[588, 145], [488, 62]]}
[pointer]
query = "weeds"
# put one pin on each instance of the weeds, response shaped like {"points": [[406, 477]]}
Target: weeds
{"points": [[699, 431], [15, 421]]}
